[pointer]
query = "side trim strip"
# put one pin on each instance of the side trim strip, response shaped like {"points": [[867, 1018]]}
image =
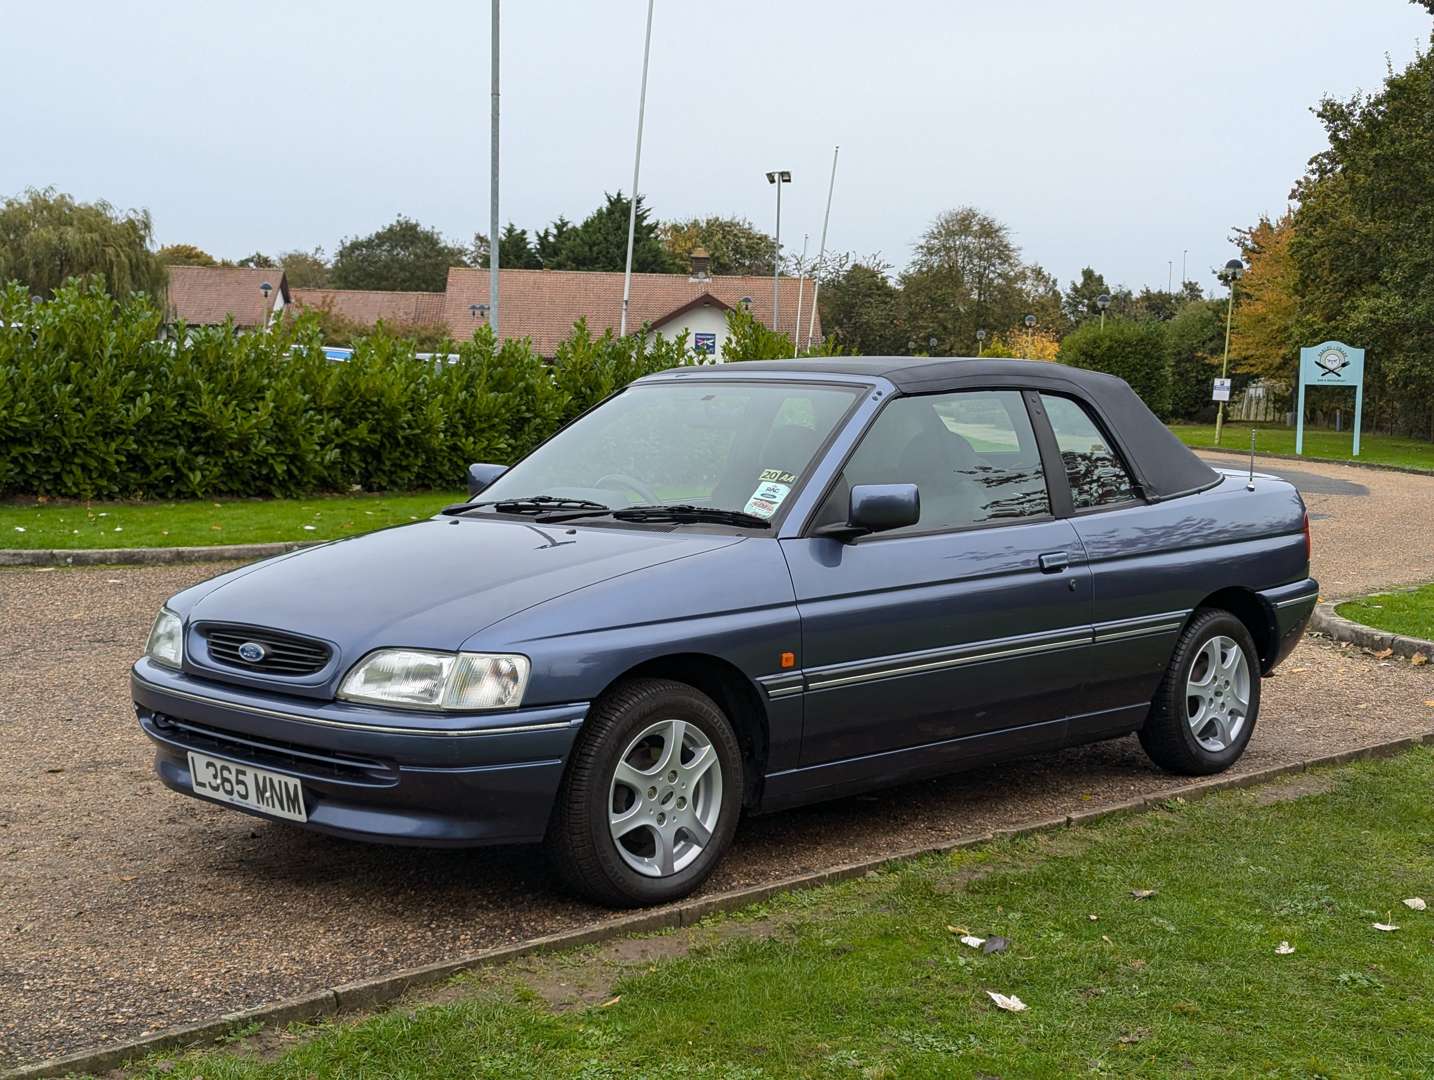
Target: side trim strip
{"points": [[943, 662], [1142, 631], [1308, 598], [279, 714]]}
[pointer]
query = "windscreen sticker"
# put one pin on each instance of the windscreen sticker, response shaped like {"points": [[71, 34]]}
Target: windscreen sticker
{"points": [[775, 486]]}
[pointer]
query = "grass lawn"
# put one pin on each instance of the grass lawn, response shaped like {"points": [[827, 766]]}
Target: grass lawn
{"points": [[869, 979], [1409, 613], [220, 521], [1278, 439]]}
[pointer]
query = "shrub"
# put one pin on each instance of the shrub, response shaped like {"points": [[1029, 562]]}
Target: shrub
{"points": [[1194, 340], [1134, 351], [94, 404]]}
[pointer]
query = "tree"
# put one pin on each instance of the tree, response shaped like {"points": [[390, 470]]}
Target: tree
{"points": [[258, 260], [1194, 344], [185, 255], [1363, 242], [515, 252], [47, 237], [305, 269], [966, 275], [600, 242], [861, 309], [734, 245], [1262, 334], [404, 256], [551, 240]]}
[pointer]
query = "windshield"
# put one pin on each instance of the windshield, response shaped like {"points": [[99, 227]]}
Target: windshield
{"points": [[724, 445]]}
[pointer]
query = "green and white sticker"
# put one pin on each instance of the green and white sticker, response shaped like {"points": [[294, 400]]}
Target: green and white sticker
{"points": [[775, 486]]}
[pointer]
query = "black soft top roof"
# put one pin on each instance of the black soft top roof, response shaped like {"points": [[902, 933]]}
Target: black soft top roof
{"points": [[1164, 466]]}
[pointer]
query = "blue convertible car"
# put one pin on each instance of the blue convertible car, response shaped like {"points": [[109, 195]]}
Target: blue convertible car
{"points": [[738, 588]]}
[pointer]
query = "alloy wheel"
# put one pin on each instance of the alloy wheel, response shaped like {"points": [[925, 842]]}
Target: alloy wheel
{"points": [[1217, 694], [665, 798]]}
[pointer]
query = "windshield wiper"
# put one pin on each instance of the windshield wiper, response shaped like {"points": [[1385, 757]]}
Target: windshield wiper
{"points": [[666, 512], [529, 504]]}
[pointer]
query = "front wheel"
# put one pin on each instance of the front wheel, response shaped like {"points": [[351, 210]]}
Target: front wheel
{"points": [[651, 797], [1204, 712]]}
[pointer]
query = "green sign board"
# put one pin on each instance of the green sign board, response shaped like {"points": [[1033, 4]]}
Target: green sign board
{"points": [[1331, 364]]}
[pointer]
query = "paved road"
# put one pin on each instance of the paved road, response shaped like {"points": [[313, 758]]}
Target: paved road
{"points": [[126, 908]]}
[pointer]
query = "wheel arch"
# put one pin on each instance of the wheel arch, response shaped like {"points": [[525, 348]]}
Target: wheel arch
{"points": [[735, 694], [1257, 615]]}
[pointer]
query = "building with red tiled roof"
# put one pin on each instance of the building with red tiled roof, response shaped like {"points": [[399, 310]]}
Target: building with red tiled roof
{"points": [[544, 304], [209, 295], [368, 306]]}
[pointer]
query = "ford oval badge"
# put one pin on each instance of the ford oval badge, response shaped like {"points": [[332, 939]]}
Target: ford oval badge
{"points": [[251, 652]]}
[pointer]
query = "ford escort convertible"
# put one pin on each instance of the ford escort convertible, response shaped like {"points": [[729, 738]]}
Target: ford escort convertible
{"points": [[732, 589]]}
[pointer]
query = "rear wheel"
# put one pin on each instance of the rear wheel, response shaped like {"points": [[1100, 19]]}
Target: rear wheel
{"points": [[1204, 712], [651, 798]]}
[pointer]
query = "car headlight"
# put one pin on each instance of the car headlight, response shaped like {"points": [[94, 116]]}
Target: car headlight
{"points": [[419, 679], [166, 639]]}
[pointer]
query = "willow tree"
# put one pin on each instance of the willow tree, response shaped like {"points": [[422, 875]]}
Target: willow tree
{"points": [[46, 238]]}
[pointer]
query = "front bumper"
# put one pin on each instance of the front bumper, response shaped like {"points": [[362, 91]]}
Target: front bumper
{"points": [[1289, 607], [370, 773]]}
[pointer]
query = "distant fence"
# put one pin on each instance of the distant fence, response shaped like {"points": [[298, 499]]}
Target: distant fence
{"points": [[1261, 401]]}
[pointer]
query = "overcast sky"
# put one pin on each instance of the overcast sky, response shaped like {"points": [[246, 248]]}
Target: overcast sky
{"points": [[1116, 134]]}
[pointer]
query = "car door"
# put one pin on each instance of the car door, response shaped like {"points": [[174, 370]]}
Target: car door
{"points": [[972, 621], [1135, 612]]}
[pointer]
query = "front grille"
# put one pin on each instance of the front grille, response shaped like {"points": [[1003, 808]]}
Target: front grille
{"points": [[284, 654], [308, 761]]}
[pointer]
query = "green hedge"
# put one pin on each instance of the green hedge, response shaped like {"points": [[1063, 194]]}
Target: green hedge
{"points": [[95, 402], [1134, 351]]}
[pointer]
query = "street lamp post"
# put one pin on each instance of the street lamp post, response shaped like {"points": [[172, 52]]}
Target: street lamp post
{"points": [[778, 177], [980, 342], [1183, 278], [1102, 302], [266, 289], [1232, 272], [1030, 321], [493, 178]]}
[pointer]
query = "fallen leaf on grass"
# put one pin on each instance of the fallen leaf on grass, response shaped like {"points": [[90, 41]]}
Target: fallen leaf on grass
{"points": [[1010, 1003], [1419, 659], [1384, 654], [1284, 948], [1415, 903], [19, 528], [308, 528], [1093, 918], [1130, 1038], [611, 1002], [1143, 894], [1385, 926]]}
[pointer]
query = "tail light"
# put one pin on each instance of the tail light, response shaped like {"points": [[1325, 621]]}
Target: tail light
{"points": [[1309, 542]]}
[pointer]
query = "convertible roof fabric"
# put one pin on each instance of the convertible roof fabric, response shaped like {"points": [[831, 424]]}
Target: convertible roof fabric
{"points": [[1164, 467]]}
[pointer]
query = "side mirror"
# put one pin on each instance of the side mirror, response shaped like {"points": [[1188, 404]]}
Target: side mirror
{"points": [[877, 508], [480, 476]]}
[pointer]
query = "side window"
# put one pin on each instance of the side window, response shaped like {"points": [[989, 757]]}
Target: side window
{"points": [[1095, 471], [973, 455]]}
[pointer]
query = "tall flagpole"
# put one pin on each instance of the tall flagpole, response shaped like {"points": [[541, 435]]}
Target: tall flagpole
{"points": [[636, 165], [493, 191], [821, 254], [801, 280]]}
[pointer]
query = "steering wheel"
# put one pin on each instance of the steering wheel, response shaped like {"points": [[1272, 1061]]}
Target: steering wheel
{"points": [[643, 493]]}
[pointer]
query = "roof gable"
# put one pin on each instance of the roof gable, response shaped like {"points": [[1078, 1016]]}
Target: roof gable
{"points": [[210, 295]]}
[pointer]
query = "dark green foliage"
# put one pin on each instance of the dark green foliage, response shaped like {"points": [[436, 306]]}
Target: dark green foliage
{"points": [[1194, 343], [861, 308], [46, 238], [600, 242], [1133, 351], [93, 405], [750, 339], [402, 257]]}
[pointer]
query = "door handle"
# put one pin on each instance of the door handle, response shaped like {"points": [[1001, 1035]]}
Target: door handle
{"points": [[1053, 562]]}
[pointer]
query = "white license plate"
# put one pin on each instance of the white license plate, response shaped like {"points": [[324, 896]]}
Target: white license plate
{"points": [[241, 785]]}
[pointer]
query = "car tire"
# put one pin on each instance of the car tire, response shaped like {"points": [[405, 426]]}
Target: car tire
{"points": [[613, 782], [1205, 710]]}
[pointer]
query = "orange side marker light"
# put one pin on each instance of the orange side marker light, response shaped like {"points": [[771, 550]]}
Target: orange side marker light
{"points": [[789, 659]]}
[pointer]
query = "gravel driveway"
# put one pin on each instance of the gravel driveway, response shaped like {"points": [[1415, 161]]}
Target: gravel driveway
{"points": [[125, 908]]}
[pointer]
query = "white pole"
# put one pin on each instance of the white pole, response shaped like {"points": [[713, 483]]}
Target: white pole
{"points": [[636, 165], [801, 281], [493, 191], [821, 254], [777, 263]]}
